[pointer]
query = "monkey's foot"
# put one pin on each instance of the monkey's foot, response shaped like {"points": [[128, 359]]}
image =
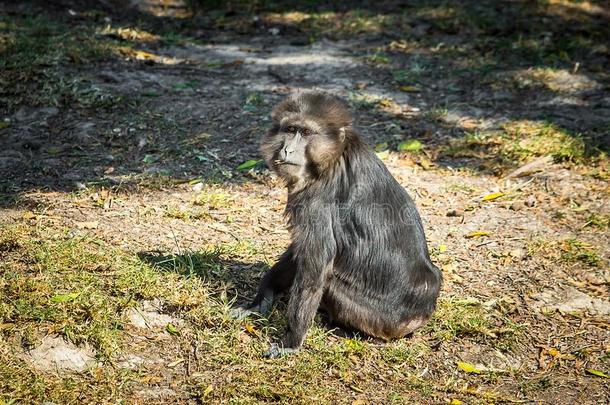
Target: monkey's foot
{"points": [[240, 313], [275, 351]]}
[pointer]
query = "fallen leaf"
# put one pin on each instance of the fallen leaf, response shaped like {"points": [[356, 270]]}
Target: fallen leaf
{"points": [[150, 379], [250, 329], [455, 402], [493, 196], [143, 55], [149, 159], [386, 102], [380, 147], [383, 155], [597, 373], [467, 367], [410, 89], [171, 329], [248, 164], [442, 248], [426, 164], [534, 166], [54, 150], [175, 363], [65, 297], [207, 391], [359, 402], [477, 234], [410, 145], [29, 215], [553, 352]]}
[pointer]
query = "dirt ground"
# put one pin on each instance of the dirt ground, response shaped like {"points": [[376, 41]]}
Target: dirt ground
{"points": [[134, 210]]}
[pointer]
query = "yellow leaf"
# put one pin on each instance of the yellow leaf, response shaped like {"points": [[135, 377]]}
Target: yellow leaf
{"points": [[493, 196], [467, 367], [455, 402], [597, 373], [554, 352], [477, 234], [207, 391], [250, 329], [442, 248], [409, 89], [359, 402], [29, 215], [383, 155], [144, 55], [386, 102]]}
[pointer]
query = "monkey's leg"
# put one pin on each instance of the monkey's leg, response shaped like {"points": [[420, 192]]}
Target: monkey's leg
{"points": [[278, 279]]}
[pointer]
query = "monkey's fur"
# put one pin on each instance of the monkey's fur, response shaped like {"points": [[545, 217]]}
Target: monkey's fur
{"points": [[358, 246]]}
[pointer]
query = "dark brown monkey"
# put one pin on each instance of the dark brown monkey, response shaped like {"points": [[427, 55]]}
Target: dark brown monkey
{"points": [[358, 246]]}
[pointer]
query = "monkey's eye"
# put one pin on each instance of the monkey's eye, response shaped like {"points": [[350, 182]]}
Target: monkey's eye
{"points": [[291, 129], [307, 131]]}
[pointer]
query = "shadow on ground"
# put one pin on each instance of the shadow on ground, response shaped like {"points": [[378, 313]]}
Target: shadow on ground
{"points": [[235, 277]]}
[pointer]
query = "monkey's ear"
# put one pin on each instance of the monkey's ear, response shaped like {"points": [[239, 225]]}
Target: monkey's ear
{"points": [[285, 107], [342, 132]]}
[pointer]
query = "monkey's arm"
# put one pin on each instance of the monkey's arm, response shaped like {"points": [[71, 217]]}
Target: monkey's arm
{"points": [[276, 280], [313, 266]]}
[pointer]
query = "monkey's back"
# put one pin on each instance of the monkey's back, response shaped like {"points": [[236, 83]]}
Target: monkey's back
{"points": [[382, 260]]}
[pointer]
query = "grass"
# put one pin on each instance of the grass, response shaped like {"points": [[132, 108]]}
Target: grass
{"points": [[574, 251], [570, 251], [96, 285], [518, 142], [33, 50]]}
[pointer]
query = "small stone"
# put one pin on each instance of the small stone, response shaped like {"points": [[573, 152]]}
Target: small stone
{"points": [[198, 187], [530, 201], [517, 253], [517, 206], [458, 212]]}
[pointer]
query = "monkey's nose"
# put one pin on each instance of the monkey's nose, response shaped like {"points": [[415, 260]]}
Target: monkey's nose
{"points": [[285, 152]]}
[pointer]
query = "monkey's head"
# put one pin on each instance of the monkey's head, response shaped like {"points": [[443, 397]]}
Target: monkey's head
{"points": [[307, 137]]}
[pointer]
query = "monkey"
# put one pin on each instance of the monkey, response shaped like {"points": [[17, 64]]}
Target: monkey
{"points": [[358, 249]]}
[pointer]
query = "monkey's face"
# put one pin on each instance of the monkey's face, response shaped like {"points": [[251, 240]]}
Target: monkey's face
{"points": [[307, 137], [299, 149]]}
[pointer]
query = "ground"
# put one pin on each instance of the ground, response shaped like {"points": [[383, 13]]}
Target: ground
{"points": [[135, 211]]}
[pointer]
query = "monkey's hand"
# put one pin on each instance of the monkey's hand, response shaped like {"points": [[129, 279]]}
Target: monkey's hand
{"points": [[275, 351]]}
